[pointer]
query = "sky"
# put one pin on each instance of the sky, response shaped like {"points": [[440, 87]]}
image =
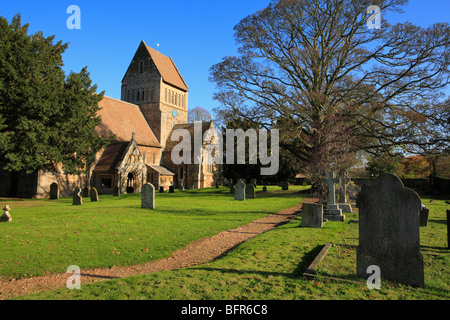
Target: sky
{"points": [[196, 34]]}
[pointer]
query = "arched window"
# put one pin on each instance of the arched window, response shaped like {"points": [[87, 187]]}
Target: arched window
{"points": [[143, 95], [176, 96], [137, 99], [165, 90], [172, 98], [141, 67]]}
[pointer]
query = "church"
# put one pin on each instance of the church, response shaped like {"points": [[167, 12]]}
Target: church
{"points": [[154, 103]]}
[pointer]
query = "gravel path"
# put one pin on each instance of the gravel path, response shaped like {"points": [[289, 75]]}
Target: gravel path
{"points": [[198, 252]]}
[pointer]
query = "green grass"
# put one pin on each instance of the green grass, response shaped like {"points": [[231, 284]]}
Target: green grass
{"points": [[270, 267], [50, 235]]}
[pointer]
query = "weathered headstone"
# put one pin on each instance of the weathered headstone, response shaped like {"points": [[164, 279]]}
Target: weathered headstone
{"points": [[264, 189], [171, 189], [423, 218], [389, 235], [85, 192], [54, 191], [116, 191], [284, 185], [6, 217], [148, 196], [312, 215], [93, 194], [239, 193], [181, 187], [76, 198], [249, 191], [332, 211], [342, 194]]}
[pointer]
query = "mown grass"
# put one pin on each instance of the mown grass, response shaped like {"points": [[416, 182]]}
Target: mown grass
{"points": [[270, 267], [50, 235]]}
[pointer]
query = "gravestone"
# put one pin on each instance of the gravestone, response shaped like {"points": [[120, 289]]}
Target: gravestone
{"points": [[239, 193], [76, 198], [389, 235], [116, 191], [342, 194], [284, 185], [232, 189], [249, 191], [85, 192], [6, 217], [161, 189], [181, 187], [423, 218], [264, 189], [332, 211], [171, 189], [312, 215], [93, 194], [148, 196], [54, 191]]}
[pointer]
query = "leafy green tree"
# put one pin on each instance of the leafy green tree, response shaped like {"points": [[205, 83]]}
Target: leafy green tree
{"points": [[46, 118]]}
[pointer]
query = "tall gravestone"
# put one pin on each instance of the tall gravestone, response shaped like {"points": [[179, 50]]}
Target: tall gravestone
{"points": [[54, 191], [249, 191], [389, 235], [239, 193], [93, 194], [148, 196], [342, 194], [76, 198], [332, 211]]}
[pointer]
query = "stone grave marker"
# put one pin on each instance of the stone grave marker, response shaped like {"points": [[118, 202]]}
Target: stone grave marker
{"points": [[171, 189], [6, 217], [332, 211], [148, 196], [284, 185], [181, 187], [249, 191], [54, 191], [76, 198], [423, 218], [264, 189], [342, 194], [389, 235], [312, 215], [161, 189], [239, 193], [86, 191], [93, 194]]}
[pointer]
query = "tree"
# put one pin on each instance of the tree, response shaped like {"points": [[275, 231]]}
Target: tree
{"points": [[303, 64], [198, 114], [46, 118]]}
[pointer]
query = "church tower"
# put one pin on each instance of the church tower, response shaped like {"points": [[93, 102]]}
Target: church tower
{"points": [[154, 83]]}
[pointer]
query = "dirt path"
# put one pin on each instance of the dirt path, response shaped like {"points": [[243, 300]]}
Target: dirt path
{"points": [[198, 252]]}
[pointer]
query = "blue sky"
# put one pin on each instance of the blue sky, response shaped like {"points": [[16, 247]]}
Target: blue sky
{"points": [[196, 34]]}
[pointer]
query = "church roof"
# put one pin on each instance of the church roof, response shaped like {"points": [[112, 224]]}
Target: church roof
{"points": [[161, 170], [190, 128], [167, 69], [110, 158], [123, 119]]}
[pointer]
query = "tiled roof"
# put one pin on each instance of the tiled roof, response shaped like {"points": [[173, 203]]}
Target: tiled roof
{"points": [[162, 170], [122, 119], [167, 69], [110, 158]]}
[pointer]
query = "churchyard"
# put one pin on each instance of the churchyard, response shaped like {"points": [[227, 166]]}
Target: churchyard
{"points": [[46, 236]]}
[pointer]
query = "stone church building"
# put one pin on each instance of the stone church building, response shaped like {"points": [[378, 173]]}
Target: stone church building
{"points": [[154, 102]]}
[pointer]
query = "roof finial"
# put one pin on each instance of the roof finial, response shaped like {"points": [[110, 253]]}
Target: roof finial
{"points": [[133, 135]]}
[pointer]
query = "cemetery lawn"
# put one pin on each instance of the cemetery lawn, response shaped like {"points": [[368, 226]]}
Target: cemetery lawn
{"points": [[47, 236], [270, 267]]}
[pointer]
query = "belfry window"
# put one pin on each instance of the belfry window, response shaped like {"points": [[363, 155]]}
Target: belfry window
{"points": [[141, 67]]}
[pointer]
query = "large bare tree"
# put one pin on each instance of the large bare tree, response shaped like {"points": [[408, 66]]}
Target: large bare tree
{"points": [[314, 67]]}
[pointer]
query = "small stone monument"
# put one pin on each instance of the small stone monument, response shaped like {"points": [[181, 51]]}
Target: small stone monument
{"points": [[389, 235], [148, 196], [284, 185], [54, 191], [161, 189], [264, 189], [85, 192], [171, 189], [312, 215], [77, 199], [332, 211], [6, 217], [250, 191], [342, 194], [181, 188], [239, 193], [93, 194], [423, 218]]}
